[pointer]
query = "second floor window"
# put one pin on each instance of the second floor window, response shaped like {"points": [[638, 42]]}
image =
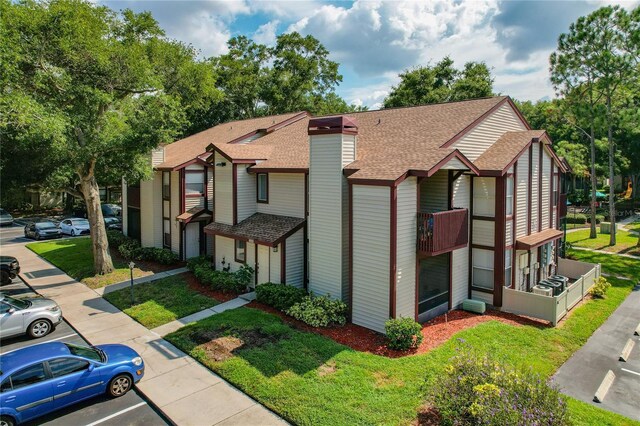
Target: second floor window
{"points": [[166, 185], [509, 196], [194, 183], [263, 188]]}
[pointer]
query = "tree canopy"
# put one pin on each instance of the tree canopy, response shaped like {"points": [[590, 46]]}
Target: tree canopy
{"points": [[441, 82]]}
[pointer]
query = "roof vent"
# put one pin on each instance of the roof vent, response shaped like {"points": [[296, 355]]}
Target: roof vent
{"points": [[333, 125]]}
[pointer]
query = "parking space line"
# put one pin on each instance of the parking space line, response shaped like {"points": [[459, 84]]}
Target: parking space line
{"points": [[629, 371], [60, 338], [126, 410]]}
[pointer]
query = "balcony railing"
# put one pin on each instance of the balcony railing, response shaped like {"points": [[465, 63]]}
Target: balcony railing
{"points": [[442, 232]]}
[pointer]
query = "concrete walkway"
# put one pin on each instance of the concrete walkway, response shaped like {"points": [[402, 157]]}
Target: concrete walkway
{"points": [[185, 391], [147, 278], [583, 373]]}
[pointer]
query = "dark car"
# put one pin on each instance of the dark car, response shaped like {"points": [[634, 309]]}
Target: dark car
{"points": [[40, 379], [108, 210], [111, 222], [9, 269], [42, 230]]}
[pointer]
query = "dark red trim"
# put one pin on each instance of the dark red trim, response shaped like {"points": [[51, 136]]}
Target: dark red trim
{"points": [[213, 199], [515, 108], [196, 160], [234, 177], [350, 195], [339, 124], [283, 262], [256, 265], [417, 289], [181, 230], [306, 195], [551, 193], [182, 191], [470, 271], [483, 247], [257, 169], [373, 182], [393, 197], [481, 290], [514, 226], [540, 175], [258, 200], [485, 218], [450, 204], [529, 188], [499, 242], [423, 255]]}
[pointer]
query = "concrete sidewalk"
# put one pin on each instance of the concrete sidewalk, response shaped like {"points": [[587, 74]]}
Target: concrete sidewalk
{"points": [[185, 391], [147, 278]]}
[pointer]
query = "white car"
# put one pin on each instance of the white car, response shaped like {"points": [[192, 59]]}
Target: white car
{"points": [[75, 226], [5, 218]]}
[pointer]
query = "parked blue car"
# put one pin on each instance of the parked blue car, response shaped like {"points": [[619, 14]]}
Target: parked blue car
{"points": [[39, 379]]}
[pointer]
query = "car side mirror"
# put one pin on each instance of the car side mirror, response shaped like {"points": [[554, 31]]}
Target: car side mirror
{"points": [[12, 310]]}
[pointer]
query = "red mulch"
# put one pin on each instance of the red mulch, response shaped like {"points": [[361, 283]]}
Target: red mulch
{"points": [[435, 332], [196, 285]]}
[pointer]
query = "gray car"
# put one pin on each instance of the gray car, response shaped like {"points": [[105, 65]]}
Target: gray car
{"points": [[34, 317], [5, 218]]}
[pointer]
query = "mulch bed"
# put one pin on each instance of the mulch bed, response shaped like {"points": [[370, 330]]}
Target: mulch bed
{"points": [[144, 265], [435, 332], [196, 285]]}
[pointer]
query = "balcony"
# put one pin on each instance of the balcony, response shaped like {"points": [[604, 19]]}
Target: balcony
{"points": [[442, 232]]}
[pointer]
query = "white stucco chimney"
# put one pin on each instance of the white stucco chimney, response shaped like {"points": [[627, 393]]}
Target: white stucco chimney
{"points": [[332, 145]]}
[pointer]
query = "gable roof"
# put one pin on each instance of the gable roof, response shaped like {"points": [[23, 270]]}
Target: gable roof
{"points": [[185, 150], [499, 157]]}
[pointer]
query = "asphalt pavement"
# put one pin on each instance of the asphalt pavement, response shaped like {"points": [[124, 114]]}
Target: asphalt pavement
{"points": [[130, 409]]}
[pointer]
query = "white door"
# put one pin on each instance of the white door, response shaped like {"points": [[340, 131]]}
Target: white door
{"points": [[263, 264], [192, 240]]}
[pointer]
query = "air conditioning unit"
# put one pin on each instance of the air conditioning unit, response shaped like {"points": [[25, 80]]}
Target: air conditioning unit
{"points": [[542, 291]]}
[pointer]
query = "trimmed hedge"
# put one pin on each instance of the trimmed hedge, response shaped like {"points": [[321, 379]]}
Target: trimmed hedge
{"points": [[280, 296], [227, 282], [599, 218], [130, 249], [403, 333], [319, 311], [577, 218]]}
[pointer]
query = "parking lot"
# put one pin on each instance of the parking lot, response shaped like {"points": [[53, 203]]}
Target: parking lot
{"points": [[131, 409]]}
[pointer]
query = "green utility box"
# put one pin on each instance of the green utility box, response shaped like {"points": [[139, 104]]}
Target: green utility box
{"points": [[476, 306]]}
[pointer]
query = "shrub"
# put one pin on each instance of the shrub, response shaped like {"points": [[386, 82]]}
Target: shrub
{"points": [[403, 333], [224, 281], [600, 288], [476, 389], [319, 311], [129, 249], [244, 275], [599, 218], [116, 238], [577, 218], [158, 255], [198, 261], [280, 296]]}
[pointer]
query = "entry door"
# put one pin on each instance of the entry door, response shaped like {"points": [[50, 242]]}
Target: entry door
{"points": [[433, 296], [263, 264], [192, 240]]}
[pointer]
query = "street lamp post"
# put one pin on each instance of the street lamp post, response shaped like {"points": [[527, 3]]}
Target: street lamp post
{"points": [[131, 266]]}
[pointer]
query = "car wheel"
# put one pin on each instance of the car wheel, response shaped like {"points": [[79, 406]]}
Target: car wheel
{"points": [[119, 385], [5, 278], [37, 237], [39, 328], [73, 232], [7, 421]]}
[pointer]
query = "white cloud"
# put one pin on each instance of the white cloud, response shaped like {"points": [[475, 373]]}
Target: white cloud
{"points": [[266, 33]]}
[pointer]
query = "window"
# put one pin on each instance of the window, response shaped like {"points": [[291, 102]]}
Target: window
{"points": [[166, 235], [509, 196], [484, 196], [6, 385], [263, 188], [65, 366], [241, 251], [194, 183], [4, 308], [483, 268], [508, 253], [28, 376], [166, 185]]}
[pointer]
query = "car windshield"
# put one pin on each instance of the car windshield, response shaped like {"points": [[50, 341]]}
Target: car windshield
{"points": [[92, 353], [80, 222], [111, 219], [46, 225], [20, 304]]}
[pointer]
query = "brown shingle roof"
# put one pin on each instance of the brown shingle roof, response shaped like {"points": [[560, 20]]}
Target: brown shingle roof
{"points": [[535, 240], [190, 147], [267, 229], [510, 145]]}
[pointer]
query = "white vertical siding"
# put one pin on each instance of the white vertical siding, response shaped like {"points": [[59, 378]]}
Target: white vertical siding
{"points": [[192, 202], [157, 209], [485, 297], [433, 193], [157, 156], [210, 185], [535, 179], [460, 260], [509, 233], [406, 248], [546, 182], [286, 195], [225, 249], [246, 196], [175, 211], [223, 190], [371, 227], [522, 194], [326, 184], [294, 262], [274, 264], [486, 133], [483, 232], [348, 149], [125, 208]]}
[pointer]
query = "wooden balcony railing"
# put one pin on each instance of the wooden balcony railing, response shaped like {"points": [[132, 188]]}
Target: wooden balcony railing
{"points": [[443, 231], [562, 205]]}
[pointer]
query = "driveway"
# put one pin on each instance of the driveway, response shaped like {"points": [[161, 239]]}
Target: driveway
{"points": [[583, 373]]}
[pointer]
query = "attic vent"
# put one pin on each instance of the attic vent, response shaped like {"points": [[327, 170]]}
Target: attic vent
{"points": [[332, 125]]}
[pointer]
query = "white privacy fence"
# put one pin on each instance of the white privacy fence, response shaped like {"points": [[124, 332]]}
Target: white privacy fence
{"points": [[554, 308]]}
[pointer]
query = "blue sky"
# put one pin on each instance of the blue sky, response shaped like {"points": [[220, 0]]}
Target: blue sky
{"points": [[375, 40]]}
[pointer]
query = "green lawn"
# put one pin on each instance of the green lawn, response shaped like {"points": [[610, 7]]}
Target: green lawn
{"points": [[626, 242], [634, 226], [160, 302], [75, 257], [310, 379]]}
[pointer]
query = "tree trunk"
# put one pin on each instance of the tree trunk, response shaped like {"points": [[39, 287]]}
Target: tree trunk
{"points": [[594, 182], [612, 194], [102, 263]]}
